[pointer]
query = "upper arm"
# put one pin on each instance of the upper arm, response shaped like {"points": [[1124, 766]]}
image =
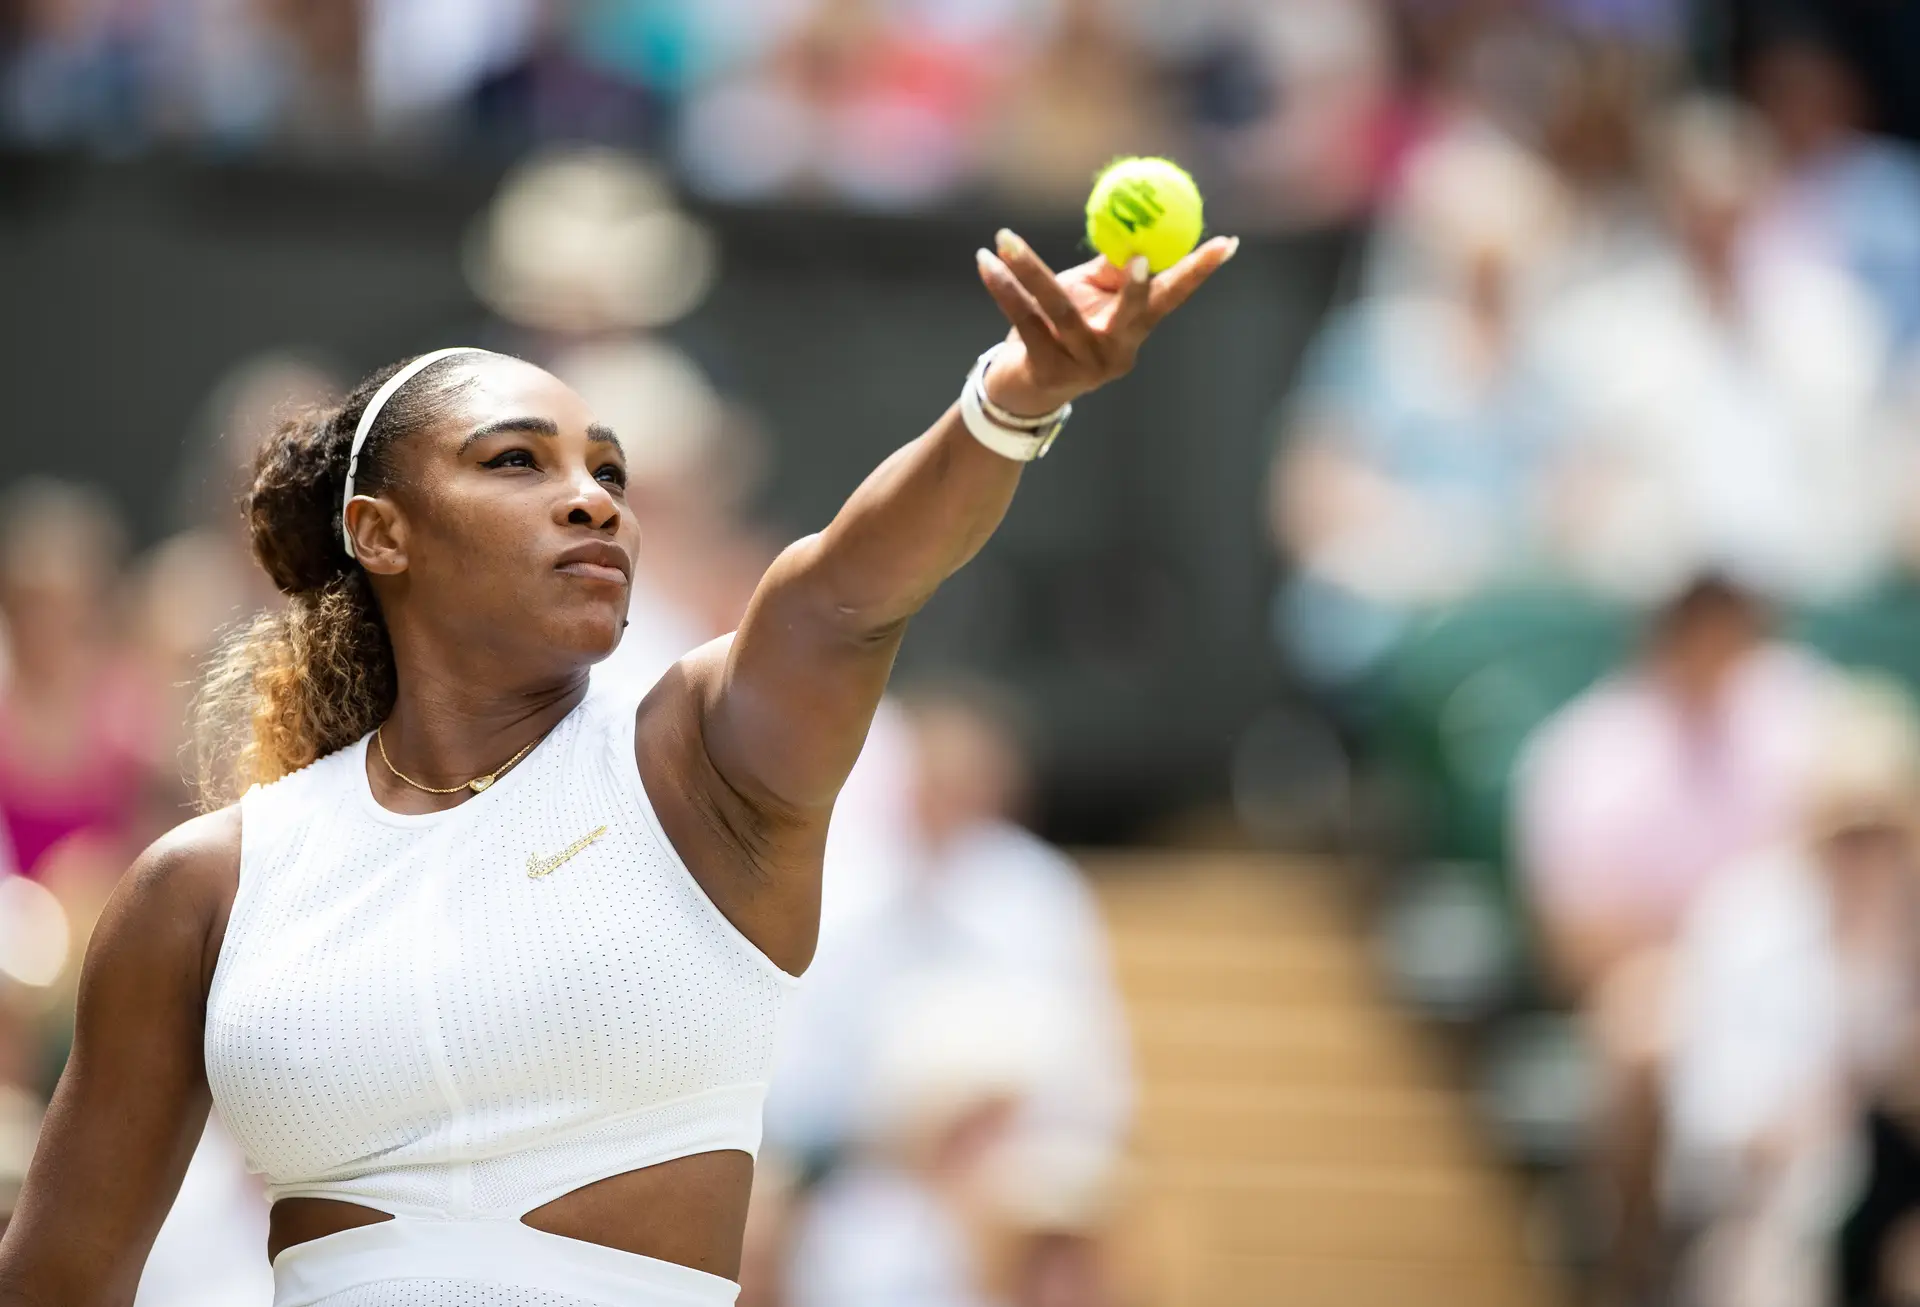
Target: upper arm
{"points": [[131, 1105], [745, 744], [786, 703]]}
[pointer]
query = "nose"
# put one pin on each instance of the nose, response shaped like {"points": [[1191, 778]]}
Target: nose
{"points": [[589, 503]]}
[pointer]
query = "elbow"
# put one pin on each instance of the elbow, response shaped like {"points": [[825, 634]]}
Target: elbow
{"points": [[876, 625], [860, 603]]}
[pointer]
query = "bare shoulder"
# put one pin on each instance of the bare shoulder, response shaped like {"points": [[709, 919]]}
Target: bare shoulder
{"points": [[175, 898], [669, 715], [702, 671]]}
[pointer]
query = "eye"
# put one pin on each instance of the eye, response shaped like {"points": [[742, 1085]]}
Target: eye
{"points": [[613, 474], [511, 458]]}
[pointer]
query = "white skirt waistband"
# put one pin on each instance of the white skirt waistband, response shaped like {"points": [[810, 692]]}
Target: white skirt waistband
{"points": [[495, 1252]]}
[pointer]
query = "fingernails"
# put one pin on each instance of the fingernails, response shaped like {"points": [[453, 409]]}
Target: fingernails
{"points": [[1006, 242], [1233, 248], [983, 257], [1139, 269]]}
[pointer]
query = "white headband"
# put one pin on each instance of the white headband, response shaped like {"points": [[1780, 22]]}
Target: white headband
{"points": [[372, 415]]}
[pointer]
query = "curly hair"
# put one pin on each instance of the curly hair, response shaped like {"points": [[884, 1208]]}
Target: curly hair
{"points": [[293, 685]]}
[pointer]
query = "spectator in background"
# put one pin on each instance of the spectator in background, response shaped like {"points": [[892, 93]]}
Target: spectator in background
{"points": [[79, 73], [1796, 982], [1089, 95], [77, 734], [1421, 442], [562, 88], [1635, 793], [200, 580], [1722, 403], [1295, 108], [876, 104], [422, 59], [983, 898], [249, 74], [947, 1199], [318, 71], [1847, 196], [1628, 802]]}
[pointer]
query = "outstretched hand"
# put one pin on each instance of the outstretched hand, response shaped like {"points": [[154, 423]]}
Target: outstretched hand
{"points": [[1077, 330]]}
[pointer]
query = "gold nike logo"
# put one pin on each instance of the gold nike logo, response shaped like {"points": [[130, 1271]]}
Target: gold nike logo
{"points": [[538, 866]]}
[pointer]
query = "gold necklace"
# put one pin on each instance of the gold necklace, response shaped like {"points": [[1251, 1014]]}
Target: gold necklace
{"points": [[477, 784]]}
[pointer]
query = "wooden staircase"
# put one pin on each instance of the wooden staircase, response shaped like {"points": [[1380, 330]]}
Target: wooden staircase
{"points": [[1297, 1145]]}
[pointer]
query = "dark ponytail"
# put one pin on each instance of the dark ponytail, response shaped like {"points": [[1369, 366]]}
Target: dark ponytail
{"points": [[295, 684]]}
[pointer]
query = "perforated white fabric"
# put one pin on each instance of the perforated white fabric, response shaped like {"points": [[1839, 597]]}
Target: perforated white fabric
{"points": [[402, 1017], [449, 1293]]}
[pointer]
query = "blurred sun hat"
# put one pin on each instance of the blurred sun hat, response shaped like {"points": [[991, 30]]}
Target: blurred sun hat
{"points": [[1476, 194], [1712, 149], [1865, 768], [582, 241], [666, 413], [952, 1040]]}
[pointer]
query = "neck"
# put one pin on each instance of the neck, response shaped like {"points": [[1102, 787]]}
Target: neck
{"points": [[444, 733]]}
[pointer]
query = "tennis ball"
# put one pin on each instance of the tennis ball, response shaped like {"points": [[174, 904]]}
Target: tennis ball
{"points": [[1144, 206]]}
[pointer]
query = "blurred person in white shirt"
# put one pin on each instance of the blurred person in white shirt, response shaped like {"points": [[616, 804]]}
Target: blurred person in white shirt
{"points": [[1723, 398], [983, 897], [954, 1193], [1421, 443], [1795, 987]]}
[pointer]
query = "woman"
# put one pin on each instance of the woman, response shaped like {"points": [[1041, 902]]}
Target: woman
{"points": [[484, 972]]}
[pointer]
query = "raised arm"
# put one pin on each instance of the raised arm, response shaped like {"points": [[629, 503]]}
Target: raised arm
{"points": [[131, 1105], [783, 707], [807, 668]]}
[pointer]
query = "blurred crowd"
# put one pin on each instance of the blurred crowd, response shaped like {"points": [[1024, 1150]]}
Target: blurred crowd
{"points": [[1299, 110], [1599, 502]]}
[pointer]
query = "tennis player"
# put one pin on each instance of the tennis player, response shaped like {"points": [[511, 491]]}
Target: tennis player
{"points": [[485, 965]]}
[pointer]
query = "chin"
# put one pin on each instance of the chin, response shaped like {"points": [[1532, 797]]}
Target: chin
{"points": [[592, 632]]}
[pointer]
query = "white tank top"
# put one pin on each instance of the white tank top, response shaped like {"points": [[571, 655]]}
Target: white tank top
{"points": [[404, 1017]]}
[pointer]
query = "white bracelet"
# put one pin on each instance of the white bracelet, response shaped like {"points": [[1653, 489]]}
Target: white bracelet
{"points": [[1019, 438]]}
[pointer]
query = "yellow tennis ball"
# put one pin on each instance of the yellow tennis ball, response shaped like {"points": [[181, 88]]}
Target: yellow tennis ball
{"points": [[1144, 206]]}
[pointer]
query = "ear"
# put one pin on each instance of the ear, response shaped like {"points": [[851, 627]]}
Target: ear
{"points": [[379, 534]]}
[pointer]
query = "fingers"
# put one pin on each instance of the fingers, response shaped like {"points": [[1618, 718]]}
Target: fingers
{"points": [[1066, 354], [1177, 284], [1017, 305], [1037, 278], [1099, 271], [1129, 322]]}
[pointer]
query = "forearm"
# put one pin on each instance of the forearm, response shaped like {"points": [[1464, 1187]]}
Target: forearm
{"points": [[914, 522], [784, 715]]}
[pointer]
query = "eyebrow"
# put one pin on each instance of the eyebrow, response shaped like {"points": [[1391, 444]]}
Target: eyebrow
{"points": [[533, 426]]}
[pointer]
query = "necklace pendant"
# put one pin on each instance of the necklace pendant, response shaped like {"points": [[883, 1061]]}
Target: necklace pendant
{"points": [[479, 783]]}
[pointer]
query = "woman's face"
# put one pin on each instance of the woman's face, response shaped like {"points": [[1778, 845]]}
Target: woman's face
{"points": [[506, 531]]}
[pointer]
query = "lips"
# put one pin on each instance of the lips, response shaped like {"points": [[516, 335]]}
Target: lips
{"points": [[597, 560]]}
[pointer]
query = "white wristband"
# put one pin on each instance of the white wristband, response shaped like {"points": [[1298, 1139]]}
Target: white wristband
{"points": [[1017, 438]]}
